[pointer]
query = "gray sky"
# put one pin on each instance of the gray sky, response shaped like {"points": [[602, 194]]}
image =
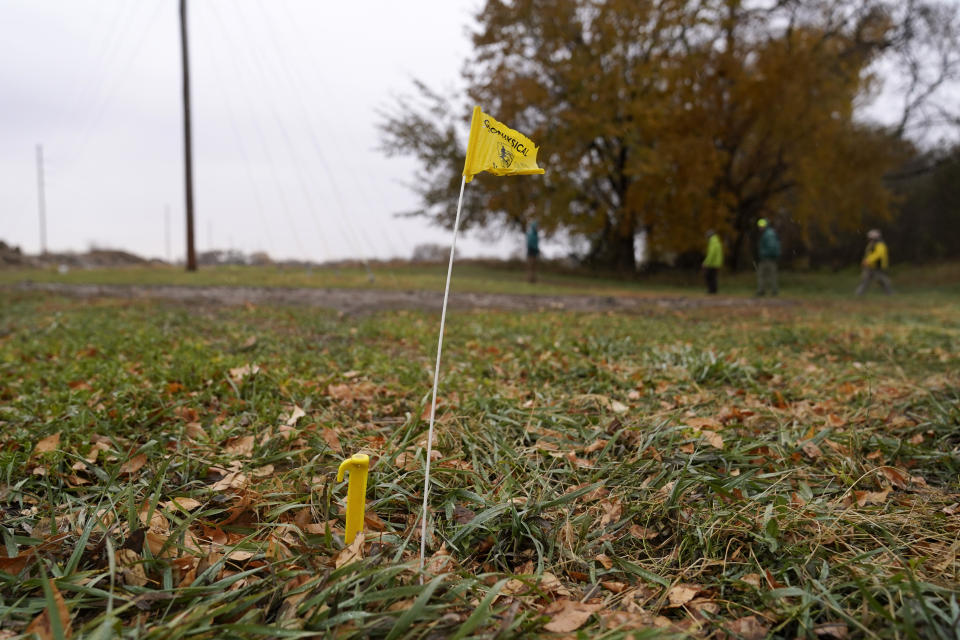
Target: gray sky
{"points": [[284, 92], [285, 99]]}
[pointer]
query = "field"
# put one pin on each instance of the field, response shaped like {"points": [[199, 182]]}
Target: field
{"points": [[168, 470]]}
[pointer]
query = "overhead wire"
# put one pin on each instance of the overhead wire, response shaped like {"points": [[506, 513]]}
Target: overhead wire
{"points": [[286, 139], [241, 145], [343, 220], [117, 82], [295, 81], [330, 99], [55, 168], [313, 209], [284, 204]]}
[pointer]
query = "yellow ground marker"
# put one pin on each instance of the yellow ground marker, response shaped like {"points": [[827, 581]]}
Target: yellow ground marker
{"points": [[357, 465]]}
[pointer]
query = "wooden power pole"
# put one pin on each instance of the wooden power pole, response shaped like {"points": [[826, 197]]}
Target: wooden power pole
{"points": [[41, 201], [187, 141]]}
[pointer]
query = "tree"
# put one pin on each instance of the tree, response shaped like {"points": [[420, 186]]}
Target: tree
{"points": [[669, 117]]}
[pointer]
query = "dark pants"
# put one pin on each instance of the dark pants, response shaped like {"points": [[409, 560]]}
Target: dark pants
{"points": [[533, 254], [711, 275], [874, 275]]}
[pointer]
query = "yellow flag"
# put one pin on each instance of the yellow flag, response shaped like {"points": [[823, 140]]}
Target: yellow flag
{"points": [[498, 149]]}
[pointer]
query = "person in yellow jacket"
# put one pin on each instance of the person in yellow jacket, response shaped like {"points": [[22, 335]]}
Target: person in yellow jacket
{"points": [[876, 260], [713, 262]]}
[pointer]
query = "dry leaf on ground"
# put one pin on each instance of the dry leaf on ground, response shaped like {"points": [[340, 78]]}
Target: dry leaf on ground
{"points": [[240, 446], [681, 594], [713, 439], [295, 414], [187, 504], [239, 373], [43, 626], [133, 465], [871, 497], [704, 423], [351, 553], [233, 480], [50, 443], [568, 615], [748, 628], [131, 570], [612, 510]]}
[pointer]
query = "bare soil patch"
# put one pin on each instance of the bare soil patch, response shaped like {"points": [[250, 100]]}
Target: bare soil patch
{"points": [[360, 301]]}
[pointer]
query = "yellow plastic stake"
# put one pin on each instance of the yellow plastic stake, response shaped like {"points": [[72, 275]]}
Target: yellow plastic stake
{"points": [[357, 465]]}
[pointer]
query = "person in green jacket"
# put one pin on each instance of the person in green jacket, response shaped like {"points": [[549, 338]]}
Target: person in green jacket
{"points": [[713, 262], [768, 252]]}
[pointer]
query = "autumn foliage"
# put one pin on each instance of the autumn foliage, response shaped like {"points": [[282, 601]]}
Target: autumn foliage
{"points": [[670, 118]]}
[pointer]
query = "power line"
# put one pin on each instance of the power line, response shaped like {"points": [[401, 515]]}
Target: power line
{"points": [[284, 205], [294, 83], [288, 140], [330, 99], [258, 200]]}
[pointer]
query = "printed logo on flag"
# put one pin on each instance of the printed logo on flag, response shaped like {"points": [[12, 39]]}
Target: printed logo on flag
{"points": [[506, 157]]}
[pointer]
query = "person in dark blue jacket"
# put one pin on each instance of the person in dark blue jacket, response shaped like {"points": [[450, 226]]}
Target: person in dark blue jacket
{"points": [[533, 251], [768, 252]]}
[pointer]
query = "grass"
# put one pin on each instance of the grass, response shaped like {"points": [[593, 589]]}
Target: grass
{"points": [[940, 281], [788, 472]]}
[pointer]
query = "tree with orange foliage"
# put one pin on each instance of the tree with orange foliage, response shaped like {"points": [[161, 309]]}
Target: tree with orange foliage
{"points": [[670, 117]]}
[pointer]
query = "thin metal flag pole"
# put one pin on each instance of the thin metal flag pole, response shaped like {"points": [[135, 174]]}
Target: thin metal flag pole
{"points": [[436, 378]]}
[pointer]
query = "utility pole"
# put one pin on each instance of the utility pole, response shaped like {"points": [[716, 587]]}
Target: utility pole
{"points": [[187, 142], [41, 201], [166, 231]]}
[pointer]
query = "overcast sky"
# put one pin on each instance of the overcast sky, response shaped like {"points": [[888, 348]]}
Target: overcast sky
{"points": [[285, 97]]}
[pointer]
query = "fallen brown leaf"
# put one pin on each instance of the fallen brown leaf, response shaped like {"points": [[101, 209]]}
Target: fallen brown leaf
{"points": [[748, 628], [131, 571], [50, 443], [713, 439], [568, 615], [239, 373], [240, 446], [233, 480], [295, 414], [896, 477], [871, 497], [834, 630], [332, 439], [615, 587], [42, 625], [681, 594], [813, 451], [704, 423], [351, 553], [612, 510], [187, 504], [133, 465]]}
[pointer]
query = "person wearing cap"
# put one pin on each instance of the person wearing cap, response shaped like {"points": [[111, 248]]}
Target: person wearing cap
{"points": [[768, 252], [713, 262], [876, 260]]}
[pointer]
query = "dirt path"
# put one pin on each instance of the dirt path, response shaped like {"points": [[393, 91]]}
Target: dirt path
{"points": [[359, 301]]}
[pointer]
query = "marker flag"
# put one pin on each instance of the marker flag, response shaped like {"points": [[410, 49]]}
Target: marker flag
{"points": [[498, 149]]}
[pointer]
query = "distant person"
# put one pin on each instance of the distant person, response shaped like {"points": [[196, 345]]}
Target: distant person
{"points": [[713, 262], [768, 252], [875, 263], [533, 251]]}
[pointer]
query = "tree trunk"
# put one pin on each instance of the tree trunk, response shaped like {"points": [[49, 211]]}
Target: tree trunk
{"points": [[613, 249]]}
